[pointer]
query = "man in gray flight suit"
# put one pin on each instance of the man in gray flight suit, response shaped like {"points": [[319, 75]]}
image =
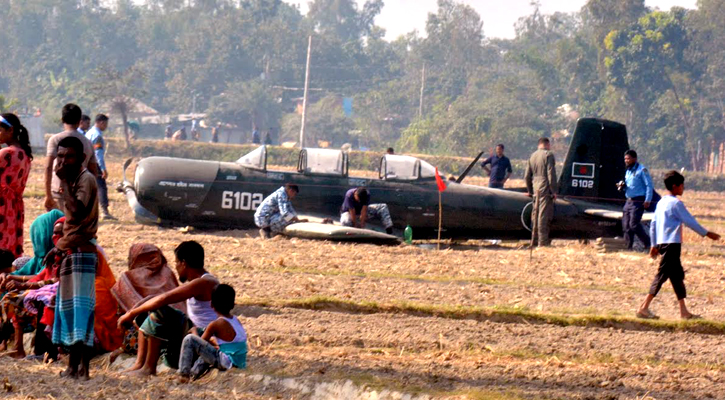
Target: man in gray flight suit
{"points": [[542, 186]]}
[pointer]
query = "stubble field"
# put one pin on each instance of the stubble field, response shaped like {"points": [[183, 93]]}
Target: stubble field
{"points": [[329, 320]]}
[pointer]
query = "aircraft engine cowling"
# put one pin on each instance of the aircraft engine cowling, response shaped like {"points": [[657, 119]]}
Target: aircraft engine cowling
{"points": [[173, 188]]}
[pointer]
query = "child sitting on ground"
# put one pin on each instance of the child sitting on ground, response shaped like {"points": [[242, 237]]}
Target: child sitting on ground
{"points": [[6, 267], [223, 344], [666, 235]]}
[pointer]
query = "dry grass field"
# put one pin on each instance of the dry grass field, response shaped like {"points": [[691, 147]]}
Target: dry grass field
{"points": [[331, 320]]}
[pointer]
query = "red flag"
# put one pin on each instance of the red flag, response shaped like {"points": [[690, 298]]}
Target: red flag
{"points": [[439, 181]]}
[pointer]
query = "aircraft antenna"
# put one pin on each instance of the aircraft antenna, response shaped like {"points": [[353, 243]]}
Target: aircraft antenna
{"points": [[468, 169]]}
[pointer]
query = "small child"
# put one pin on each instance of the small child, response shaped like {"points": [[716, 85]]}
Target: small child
{"points": [[666, 235], [6, 262], [223, 344], [6, 267]]}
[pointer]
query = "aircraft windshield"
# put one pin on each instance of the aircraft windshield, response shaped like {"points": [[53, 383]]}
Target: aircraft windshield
{"points": [[399, 167], [256, 158], [323, 161], [427, 170], [405, 168]]}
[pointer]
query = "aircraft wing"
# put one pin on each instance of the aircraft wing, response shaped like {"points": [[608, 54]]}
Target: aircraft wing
{"points": [[318, 231], [611, 214], [317, 217]]}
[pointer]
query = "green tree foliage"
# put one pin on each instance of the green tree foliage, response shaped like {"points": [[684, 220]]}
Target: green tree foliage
{"points": [[326, 121], [647, 61], [117, 91], [451, 91], [248, 104]]}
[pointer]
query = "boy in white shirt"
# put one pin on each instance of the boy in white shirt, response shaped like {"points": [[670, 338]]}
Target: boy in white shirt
{"points": [[666, 235]]}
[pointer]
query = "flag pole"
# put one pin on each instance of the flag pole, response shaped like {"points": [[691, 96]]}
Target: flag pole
{"points": [[440, 217], [441, 187]]}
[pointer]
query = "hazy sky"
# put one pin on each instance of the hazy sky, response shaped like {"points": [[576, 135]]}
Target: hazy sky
{"points": [[402, 16]]}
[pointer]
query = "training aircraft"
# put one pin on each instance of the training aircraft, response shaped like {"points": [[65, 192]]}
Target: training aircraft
{"points": [[224, 195]]}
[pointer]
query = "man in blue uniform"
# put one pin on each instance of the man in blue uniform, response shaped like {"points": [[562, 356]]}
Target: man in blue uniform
{"points": [[276, 211], [356, 210], [500, 168], [95, 135], [639, 191]]}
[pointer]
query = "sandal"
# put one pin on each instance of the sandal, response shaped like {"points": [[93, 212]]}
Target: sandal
{"points": [[646, 315], [693, 316]]}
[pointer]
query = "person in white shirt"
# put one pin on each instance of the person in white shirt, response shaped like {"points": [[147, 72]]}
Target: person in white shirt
{"points": [[666, 236]]}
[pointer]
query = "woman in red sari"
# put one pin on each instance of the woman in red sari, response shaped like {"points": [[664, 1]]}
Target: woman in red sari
{"points": [[14, 170]]}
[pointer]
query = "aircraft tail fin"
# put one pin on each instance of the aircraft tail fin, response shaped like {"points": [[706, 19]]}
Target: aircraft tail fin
{"points": [[595, 161]]}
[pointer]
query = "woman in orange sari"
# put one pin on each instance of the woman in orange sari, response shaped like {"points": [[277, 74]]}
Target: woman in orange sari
{"points": [[108, 336]]}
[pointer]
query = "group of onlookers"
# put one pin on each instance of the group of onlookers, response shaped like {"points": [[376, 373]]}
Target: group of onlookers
{"points": [[66, 292]]}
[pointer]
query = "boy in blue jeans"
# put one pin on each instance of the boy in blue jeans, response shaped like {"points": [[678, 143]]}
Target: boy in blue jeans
{"points": [[666, 235], [223, 344]]}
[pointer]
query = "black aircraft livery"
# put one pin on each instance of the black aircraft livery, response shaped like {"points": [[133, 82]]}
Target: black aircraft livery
{"points": [[224, 195]]}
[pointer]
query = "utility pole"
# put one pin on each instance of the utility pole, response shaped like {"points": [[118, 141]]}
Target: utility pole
{"points": [[422, 90], [304, 98]]}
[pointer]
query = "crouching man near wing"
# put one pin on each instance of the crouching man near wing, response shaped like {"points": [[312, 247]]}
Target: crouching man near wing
{"points": [[276, 211], [356, 210]]}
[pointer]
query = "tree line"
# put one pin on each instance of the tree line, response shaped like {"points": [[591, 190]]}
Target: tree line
{"points": [[449, 90]]}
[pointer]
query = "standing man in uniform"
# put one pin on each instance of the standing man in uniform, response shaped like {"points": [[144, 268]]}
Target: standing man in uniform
{"points": [[95, 136], [542, 186], [639, 191], [500, 168]]}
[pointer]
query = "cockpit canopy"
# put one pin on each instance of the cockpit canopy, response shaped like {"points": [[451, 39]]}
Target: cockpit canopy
{"points": [[323, 162], [405, 168], [255, 159], [336, 163]]}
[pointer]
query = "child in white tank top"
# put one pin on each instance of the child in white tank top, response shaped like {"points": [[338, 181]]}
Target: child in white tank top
{"points": [[223, 344]]}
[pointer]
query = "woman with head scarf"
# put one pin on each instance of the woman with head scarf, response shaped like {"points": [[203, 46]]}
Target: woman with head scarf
{"points": [[107, 336], [41, 235], [148, 275], [16, 315]]}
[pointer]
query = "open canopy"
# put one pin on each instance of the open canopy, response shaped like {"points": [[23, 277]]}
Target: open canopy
{"points": [[405, 168], [323, 162], [255, 159]]}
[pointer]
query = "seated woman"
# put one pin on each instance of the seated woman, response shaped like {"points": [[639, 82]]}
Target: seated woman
{"points": [[148, 275], [41, 235], [25, 308], [23, 311], [107, 336]]}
